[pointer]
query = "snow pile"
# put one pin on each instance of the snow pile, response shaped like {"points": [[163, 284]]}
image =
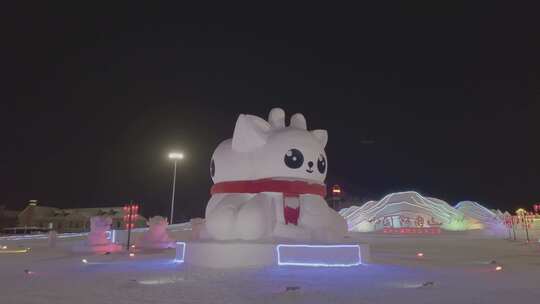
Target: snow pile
{"points": [[404, 209]]}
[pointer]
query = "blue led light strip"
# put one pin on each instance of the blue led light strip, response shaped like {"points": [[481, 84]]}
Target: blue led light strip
{"points": [[180, 248], [317, 264]]}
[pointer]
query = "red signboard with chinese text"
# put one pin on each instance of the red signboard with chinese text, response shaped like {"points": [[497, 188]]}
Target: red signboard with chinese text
{"points": [[426, 230]]}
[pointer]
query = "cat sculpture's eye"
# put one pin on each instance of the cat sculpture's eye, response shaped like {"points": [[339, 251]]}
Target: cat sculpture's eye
{"points": [[321, 164], [294, 159]]}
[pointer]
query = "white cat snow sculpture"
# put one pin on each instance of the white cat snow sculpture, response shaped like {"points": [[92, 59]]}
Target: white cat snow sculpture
{"points": [[156, 237], [269, 183]]}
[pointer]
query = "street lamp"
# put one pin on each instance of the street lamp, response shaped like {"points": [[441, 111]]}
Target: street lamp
{"points": [[175, 156]]}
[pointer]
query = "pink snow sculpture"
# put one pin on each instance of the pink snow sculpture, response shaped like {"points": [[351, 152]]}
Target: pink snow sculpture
{"points": [[97, 241], [98, 231], [156, 237]]}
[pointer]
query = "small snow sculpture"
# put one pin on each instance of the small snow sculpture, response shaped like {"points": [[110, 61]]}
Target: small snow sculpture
{"points": [[156, 237], [97, 237], [98, 230], [269, 183]]}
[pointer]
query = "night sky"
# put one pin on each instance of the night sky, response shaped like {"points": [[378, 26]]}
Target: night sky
{"points": [[441, 99]]}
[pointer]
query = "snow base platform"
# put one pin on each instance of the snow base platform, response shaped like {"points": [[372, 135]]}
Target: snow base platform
{"points": [[214, 254]]}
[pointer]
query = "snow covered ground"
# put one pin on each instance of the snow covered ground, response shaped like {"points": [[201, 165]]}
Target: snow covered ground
{"points": [[456, 267]]}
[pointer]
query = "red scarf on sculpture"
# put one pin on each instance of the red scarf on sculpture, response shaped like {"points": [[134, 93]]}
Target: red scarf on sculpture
{"points": [[288, 188]]}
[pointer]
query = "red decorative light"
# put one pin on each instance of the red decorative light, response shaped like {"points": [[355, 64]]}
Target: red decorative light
{"points": [[130, 215]]}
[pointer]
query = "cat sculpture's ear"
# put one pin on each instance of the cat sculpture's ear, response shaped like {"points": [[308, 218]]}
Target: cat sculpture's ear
{"points": [[321, 135], [250, 133], [298, 121], [276, 118]]}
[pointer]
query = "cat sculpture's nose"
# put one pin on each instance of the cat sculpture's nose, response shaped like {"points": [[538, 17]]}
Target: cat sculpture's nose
{"points": [[310, 164]]}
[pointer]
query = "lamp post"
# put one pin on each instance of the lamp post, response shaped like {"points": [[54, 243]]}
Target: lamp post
{"points": [[175, 156]]}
